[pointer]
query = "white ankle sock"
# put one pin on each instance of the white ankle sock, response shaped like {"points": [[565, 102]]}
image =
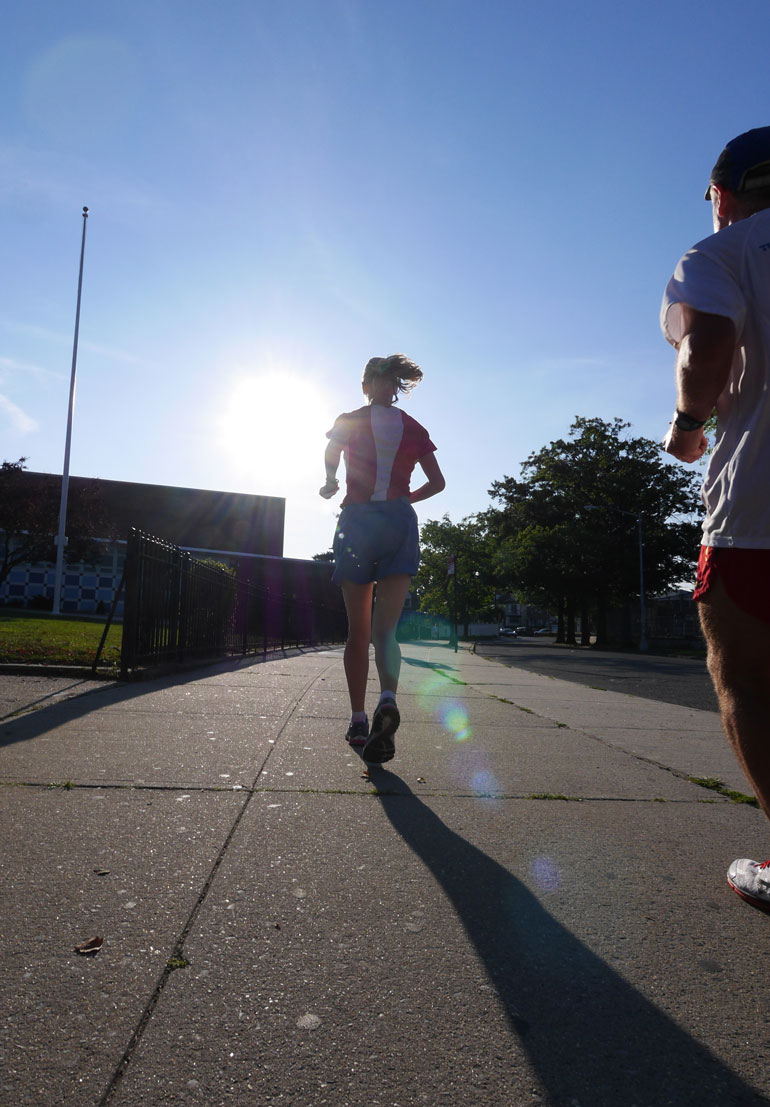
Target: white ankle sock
{"points": [[358, 717], [387, 697]]}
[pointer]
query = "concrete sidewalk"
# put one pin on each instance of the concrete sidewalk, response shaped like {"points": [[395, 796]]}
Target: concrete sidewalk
{"points": [[281, 927]]}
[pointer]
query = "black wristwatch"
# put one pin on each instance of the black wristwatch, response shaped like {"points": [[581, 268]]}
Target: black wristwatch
{"points": [[686, 422]]}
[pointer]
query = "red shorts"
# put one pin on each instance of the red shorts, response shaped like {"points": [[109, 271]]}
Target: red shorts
{"points": [[744, 573]]}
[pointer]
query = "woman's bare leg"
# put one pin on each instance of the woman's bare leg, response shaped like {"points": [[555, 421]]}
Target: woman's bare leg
{"points": [[358, 604], [388, 605]]}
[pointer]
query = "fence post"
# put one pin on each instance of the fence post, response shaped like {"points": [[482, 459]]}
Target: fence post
{"points": [[179, 632], [130, 572]]}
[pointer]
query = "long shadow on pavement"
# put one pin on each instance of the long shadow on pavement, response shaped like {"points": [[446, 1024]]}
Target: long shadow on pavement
{"points": [[592, 1037], [37, 718]]}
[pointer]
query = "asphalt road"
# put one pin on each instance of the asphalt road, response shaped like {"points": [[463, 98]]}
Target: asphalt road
{"points": [[679, 680]]}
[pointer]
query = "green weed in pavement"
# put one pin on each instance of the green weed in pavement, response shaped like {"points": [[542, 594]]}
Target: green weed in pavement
{"points": [[715, 785]]}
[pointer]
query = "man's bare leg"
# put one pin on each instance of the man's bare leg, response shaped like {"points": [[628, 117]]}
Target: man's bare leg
{"points": [[739, 664]]}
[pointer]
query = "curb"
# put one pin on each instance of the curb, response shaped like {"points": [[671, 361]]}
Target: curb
{"points": [[19, 669]]}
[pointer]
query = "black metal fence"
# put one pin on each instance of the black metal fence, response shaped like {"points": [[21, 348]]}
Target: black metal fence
{"points": [[178, 608]]}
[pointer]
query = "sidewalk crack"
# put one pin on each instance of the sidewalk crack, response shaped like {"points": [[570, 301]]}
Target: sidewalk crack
{"points": [[176, 957]]}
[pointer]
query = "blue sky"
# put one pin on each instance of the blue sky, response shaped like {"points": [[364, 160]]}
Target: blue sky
{"points": [[280, 190]]}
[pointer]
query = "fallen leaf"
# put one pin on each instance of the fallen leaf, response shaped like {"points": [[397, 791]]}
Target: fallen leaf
{"points": [[308, 1022], [421, 780], [93, 945]]}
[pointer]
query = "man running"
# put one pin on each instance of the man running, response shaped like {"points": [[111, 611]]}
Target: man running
{"points": [[716, 312]]}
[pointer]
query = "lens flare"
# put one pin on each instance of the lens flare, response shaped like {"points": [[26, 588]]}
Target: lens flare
{"points": [[545, 874], [454, 718], [468, 764], [484, 783], [471, 768], [431, 688]]}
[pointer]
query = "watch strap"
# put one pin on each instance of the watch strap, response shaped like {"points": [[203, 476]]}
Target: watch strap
{"points": [[686, 422]]}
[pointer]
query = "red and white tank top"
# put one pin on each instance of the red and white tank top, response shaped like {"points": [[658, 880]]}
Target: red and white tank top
{"points": [[381, 446]]}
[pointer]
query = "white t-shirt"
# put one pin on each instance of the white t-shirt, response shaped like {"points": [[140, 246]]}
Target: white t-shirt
{"points": [[729, 274]]}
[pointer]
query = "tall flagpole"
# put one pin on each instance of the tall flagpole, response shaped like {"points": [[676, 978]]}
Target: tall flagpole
{"points": [[60, 538]]}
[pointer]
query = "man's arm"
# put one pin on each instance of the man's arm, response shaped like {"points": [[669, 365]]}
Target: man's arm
{"points": [[703, 361]]}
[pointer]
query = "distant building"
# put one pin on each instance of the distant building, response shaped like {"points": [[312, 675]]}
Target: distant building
{"points": [[228, 526], [671, 619]]}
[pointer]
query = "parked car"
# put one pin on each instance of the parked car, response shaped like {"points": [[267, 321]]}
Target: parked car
{"points": [[553, 631], [507, 632], [524, 630]]}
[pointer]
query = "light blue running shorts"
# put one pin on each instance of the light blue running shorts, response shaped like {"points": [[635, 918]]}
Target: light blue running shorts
{"points": [[376, 540]]}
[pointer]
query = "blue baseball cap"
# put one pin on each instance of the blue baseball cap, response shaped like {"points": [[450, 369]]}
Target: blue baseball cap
{"points": [[744, 164]]}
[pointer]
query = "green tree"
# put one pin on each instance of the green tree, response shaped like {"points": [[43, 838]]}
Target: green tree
{"points": [[468, 542], [567, 530]]}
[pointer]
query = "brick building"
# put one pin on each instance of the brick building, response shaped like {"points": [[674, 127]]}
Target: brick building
{"points": [[228, 526]]}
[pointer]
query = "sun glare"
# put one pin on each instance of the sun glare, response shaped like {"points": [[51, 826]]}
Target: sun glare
{"points": [[272, 426]]}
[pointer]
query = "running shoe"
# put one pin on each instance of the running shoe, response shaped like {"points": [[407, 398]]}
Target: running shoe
{"points": [[381, 745], [751, 880], [357, 734]]}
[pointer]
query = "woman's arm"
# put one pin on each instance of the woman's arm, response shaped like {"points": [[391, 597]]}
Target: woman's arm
{"points": [[332, 457], [435, 482]]}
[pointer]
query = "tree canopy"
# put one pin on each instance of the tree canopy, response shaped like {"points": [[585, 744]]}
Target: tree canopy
{"points": [[565, 534], [474, 576], [567, 531]]}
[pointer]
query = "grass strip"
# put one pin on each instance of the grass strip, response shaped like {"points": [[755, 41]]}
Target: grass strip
{"points": [[50, 640]]}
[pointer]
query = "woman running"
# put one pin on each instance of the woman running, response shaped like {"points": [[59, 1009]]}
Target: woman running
{"points": [[376, 539]]}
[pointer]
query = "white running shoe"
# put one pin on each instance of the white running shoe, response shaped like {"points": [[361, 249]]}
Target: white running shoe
{"points": [[358, 733], [751, 880]]}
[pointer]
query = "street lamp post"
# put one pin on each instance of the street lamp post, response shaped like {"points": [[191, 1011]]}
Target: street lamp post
{"points": [[60, 538], [452, 572], [642, 612]]}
